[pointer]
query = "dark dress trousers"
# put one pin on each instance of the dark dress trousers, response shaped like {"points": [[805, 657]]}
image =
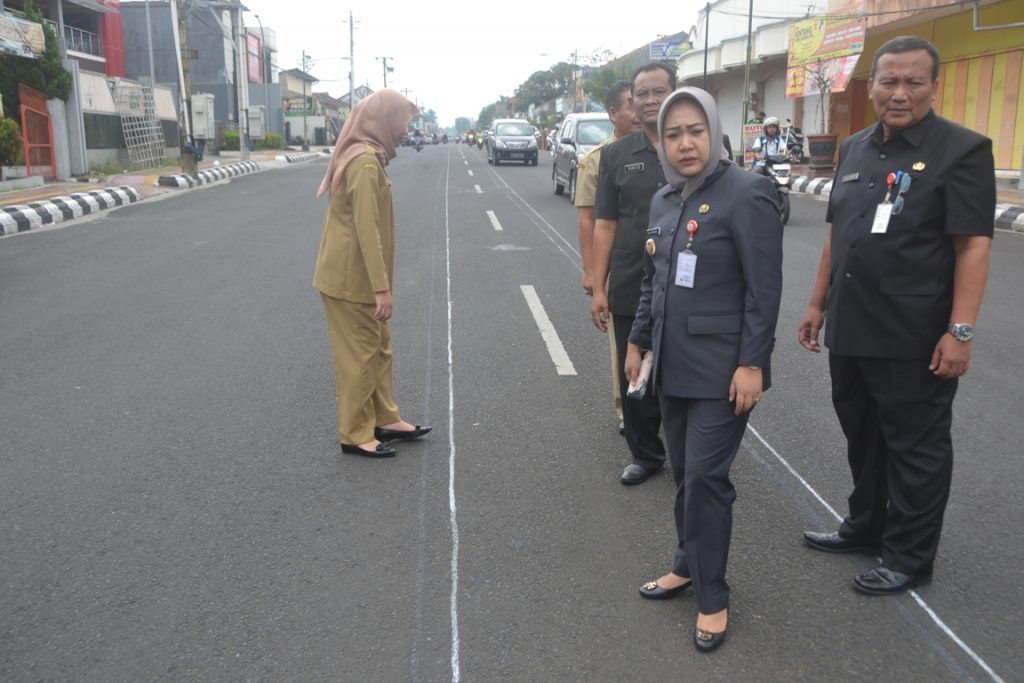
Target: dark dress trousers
{"points": [[889, 301], [699, 336], [629, 174]]}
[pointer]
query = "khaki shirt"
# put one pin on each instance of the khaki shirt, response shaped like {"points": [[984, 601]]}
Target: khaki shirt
{"points": [[357, 248], [586, 176]]}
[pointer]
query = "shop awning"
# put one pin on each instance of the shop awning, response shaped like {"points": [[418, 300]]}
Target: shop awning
{"points": [[95, 6]]}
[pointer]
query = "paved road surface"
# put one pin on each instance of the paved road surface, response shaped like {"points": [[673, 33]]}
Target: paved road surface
{"points": [[174, 506]]}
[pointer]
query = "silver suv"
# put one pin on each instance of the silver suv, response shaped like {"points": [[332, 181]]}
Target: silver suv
{"points": [[511, 140], [578, 134]]}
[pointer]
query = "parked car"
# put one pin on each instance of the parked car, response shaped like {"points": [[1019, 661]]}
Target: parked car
{"points": [[578, 134], [511, 140]]}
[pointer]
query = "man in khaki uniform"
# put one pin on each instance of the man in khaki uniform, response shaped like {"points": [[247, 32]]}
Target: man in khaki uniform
{"points": [[355, 272], [618, 103]]}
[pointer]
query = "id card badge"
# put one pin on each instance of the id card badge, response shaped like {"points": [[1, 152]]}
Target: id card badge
{"points": [[686, 269], [882, 215]]}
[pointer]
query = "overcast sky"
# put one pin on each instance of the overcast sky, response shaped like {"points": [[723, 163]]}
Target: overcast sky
{"points": [[456, 57]]}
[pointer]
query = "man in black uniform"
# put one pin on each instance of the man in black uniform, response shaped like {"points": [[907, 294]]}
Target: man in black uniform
{"points": [[901, 279], [628, 176]]}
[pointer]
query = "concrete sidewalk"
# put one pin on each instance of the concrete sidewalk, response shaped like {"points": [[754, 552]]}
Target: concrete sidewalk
{"points": [[55, 202]]}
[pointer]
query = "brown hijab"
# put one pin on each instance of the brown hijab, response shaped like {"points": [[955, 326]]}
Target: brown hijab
{"points": [[379, 121]]}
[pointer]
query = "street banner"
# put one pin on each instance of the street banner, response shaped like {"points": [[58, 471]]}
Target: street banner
{"points": [[751, 132], [825, 48], [21, 38], [669, 50], [806, 79]]}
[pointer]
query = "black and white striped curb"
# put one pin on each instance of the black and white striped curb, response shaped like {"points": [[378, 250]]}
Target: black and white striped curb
{"points": [[208, 175], [1008, 216], [295, 158], [808, 185], [33, 215]]}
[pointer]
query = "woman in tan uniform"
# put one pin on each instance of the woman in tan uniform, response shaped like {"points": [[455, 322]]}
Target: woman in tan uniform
{"points": [[355, 272]]}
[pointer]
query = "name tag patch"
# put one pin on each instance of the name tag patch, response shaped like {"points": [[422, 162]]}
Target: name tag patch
{"points": [[635, 168], [850, 177]]}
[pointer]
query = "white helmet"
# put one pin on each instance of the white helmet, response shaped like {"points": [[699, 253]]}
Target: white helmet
{"points": [[771, 121]]}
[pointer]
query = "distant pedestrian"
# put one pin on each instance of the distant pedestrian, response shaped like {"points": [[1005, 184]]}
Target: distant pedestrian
{"points": [[355, 274], [901, 279]]}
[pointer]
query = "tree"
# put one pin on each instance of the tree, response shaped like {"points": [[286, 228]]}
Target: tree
{"points": [[45, 74], [823, 81], [462, 125], [486, 116], [596, 84]]}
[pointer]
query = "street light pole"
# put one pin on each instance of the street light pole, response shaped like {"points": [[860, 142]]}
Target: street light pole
{"points": [[707, 27], [305, 106], [263, 75]]}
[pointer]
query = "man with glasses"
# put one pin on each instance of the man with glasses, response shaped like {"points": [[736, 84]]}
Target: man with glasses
{"points": [[629, 174], [901, 278]]}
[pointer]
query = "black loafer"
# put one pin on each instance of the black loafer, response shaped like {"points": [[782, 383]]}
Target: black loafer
{"points": [[652, 591], [706, 641], [399, 434], [834, 543], [635, 474], [885, 581], [383, 450]]}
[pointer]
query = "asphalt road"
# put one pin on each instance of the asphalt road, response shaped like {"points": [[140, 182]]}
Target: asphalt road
{"points": [[174, 505]]}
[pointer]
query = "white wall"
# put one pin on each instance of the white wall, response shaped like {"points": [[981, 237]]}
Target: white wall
{"points": [[730, 108], [729, 17], [95, 93], [773, 97]]}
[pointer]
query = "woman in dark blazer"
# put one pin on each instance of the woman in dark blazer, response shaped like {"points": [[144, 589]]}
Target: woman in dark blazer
{"points": [[708, 308]]}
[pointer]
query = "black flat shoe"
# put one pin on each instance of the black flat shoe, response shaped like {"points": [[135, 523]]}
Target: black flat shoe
{"points": [[885, 581], [834, 543], [652, 591], [400, 434], [706, 641], [383, 450]]}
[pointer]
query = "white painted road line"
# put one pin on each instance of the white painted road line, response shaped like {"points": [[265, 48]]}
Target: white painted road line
{"points": [[555, 349], [478, 190], [470, 173], [914, 594], [494, 220]]}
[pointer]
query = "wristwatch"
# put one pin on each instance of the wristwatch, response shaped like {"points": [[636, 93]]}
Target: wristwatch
{"points": [[962, 332]]}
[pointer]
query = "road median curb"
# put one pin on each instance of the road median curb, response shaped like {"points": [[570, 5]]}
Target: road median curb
{"points": [[296, 158], [34, 215], [208, 175]]}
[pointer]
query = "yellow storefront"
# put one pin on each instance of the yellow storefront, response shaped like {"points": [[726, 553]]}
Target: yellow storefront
{"points": [[981, 77]]}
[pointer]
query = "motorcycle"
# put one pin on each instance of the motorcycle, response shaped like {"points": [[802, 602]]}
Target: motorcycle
{"points": [[778, 169], [419, 143]]}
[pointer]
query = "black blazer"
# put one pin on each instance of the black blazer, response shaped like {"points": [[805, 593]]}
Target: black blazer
{"points": [[700, 335]]}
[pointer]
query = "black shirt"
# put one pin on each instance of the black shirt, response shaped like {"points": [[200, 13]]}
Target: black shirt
{"points": [[628, 176], [890, 294]]}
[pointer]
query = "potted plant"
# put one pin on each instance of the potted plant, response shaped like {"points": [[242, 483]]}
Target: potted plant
{"points": [[821, 146]]}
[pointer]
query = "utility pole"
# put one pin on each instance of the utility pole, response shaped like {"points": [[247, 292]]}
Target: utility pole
{"points": [[179, 25], [305, 106], [241, 81], [387, 69], [746, 75], [351, 61], [264, 78], [149, 43], [707, 28]]}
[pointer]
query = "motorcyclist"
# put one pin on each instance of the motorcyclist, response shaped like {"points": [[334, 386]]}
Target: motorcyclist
{"points": [[769, 144]]}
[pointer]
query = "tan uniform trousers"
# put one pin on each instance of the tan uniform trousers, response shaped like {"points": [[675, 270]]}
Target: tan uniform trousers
{"points": [[361, 347], [615, 368]]}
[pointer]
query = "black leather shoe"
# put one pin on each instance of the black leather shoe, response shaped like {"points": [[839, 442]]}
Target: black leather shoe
{"points": [[706, 641], [652, 591], [400, 434], [885, 581], [834, 543], [622, 428], [383, 450], [635, 474]]}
